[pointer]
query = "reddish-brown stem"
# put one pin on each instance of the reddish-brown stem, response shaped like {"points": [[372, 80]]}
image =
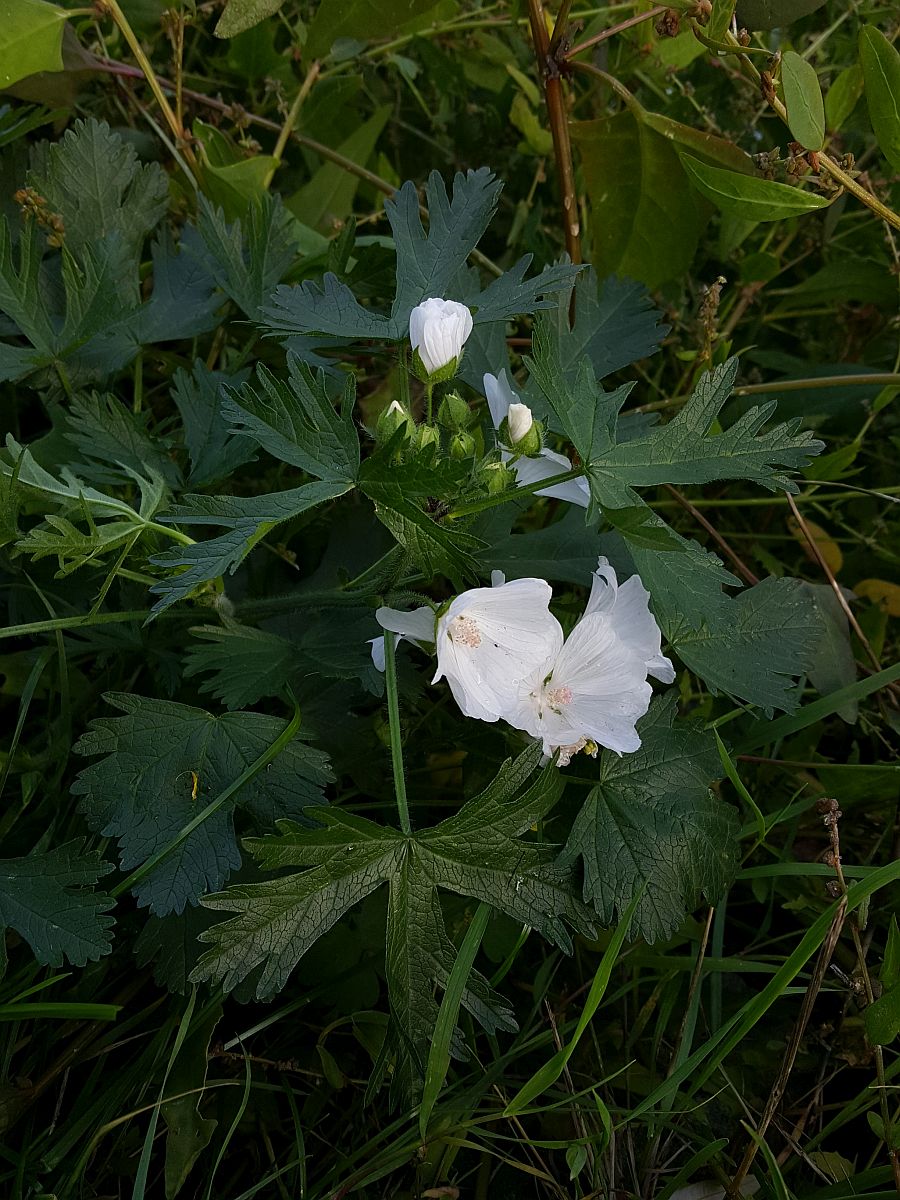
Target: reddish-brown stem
{"points": [[548, 68], [739, 565], [604, 34]]}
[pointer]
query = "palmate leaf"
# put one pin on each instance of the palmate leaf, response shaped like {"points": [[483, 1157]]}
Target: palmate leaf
{"points": [[616, 324], [110, 437], [163, 763], [246, 520], [48, 899], [683, 451], [249, 256], [476, 853], [399, 491], [295, 420], [652, 823], [109, 521], [428, 264], [93, 179], [215, 451]]}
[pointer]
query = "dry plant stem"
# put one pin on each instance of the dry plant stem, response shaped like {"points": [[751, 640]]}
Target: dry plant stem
{"points": [[604, 34], [739, 565], [836, 588], [291, 119], [809, 999], [326, 152], [112, 7], [551, 80]]}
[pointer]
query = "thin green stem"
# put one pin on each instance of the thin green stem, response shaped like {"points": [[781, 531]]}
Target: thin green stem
{"points": [[476, 506], [429, 392], [393, 701], [175, 534]]}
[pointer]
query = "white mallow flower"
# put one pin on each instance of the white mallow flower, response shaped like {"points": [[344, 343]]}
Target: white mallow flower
{"points": [[417, 627], [438, 329], [628, 606], [488, 641], [502, 400], [592, 688]]}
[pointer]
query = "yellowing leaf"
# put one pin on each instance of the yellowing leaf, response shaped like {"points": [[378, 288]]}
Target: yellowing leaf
{"points": [[826, 545], [879, 591]]}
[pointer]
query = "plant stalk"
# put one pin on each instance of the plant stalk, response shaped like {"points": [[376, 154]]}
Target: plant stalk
{"points": [[393, 701]]}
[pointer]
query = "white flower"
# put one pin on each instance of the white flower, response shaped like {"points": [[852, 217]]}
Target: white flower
{"points": [[590, 688], [629, 608], [438, 329], [417, 627], [520, 421], [488, 641], [593, 688], [501, 402]]}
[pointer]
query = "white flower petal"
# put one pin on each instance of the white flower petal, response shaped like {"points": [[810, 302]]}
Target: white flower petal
{"points": [[489, 639], [637, 627], [545, 466], [499, 396], [497, 579], [520, 419], [377, 645], [438, 329], [417, 625]]}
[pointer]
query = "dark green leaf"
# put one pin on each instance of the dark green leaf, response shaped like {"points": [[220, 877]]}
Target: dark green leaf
{"points": [[772, 14], [652, 823], [104, 431], [247, 257], [48, 900], [295, 420], [477, 852], [188, 1133], [326, 201], [246, 519], [752, 645], [428, 264], [214, 449], [843, 95], [881, 71], [748, 197], [163, 763], [92, 177], [803, 101], [244, 14], [832, 664], [648, 224], [359, 19]]}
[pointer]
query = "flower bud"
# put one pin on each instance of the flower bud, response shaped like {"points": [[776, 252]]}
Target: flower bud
{"points": [[462, 445], [438, 330], [391, 419], [454, 413], [498, 477], [426, 437], [521, 432]]}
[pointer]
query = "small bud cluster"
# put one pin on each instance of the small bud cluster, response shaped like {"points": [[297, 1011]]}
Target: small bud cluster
{"points": [[34, 206]]}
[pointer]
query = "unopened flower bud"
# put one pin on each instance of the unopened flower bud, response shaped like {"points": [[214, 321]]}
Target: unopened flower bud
{"points": [[391, 419], [521, 432], [438, 330], [462, 445], [498, 477], [427, 436], [454, 413]]}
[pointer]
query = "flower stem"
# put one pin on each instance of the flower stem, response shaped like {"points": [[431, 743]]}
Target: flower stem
{"points": [[393, 700], [429, 391], [476, 506]]}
